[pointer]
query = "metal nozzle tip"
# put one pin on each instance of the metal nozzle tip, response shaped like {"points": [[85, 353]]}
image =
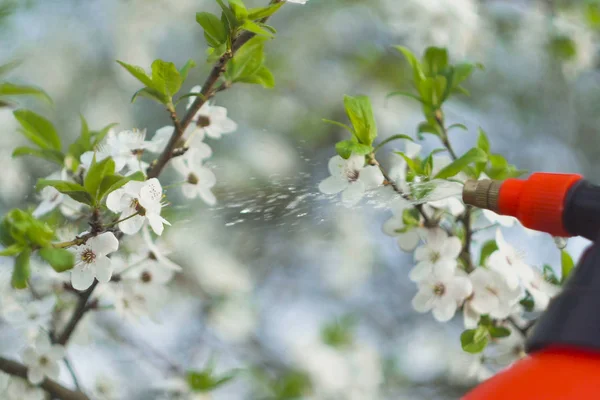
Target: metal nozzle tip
{"points": [[482, 194]]}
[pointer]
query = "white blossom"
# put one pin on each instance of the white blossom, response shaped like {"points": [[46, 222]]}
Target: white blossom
{"points": [[32, 316], [351, 177], [399, 166], [210, 120], [468, 368], [297, 1], [199, 179], [105, 388], [438, 256], [407, 238], [138, 202], [541, 290], [509, 263], [177, 388], [42, 360], [20, 389], [442, 294], [163, 135], [157, 252], [91, 260], [125, 148], [491, 295]]}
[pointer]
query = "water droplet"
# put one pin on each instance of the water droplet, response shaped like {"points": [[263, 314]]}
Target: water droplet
{"points": [[561, 242]]}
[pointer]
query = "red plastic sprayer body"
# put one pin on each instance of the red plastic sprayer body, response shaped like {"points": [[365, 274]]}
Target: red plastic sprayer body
{"points": [[563, 361]]}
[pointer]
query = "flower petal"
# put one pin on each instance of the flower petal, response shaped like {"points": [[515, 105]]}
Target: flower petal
{"points": [[336, 166], [156, 223], [420, 271], [35, 375], [436, 238], [392, 225], [103, 269], [81, 279], [408, 240], [452, 247], [103, 244], [57, 352], [353, 193], [333, 185], [29, 356], [371, 176], [423, 300], [42, 343], [113, 200], [444, 310], [132, 225], [151, 194], [51, 370], [208, 197]]}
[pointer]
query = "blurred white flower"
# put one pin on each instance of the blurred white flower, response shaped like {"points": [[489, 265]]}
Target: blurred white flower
{"points": [[177, 388], [137, 202], [148, 279], [509, 349], [20, 389], [297, 1], [210, 120], [124, 147], [218, 272], [32, 316], [14, 179], [199, 179], [437, 256], [163, 135], [129, 304], [351, 177], [491, 295], [441, 294], [157, 252], [42, 360], [444, 23], [408, 238], [91, 260], [234, 319], [52, 198], [541, 290], [105, 388], [466, 369], [509, 263]]}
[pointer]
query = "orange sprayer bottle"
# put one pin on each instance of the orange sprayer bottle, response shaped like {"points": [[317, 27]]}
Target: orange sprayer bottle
{"points": [[563, 361]]}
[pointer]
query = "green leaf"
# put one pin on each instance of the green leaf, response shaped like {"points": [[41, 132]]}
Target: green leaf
{"points": [[527, 302], [391, 139], [95, 175], [435, 60], [460, 126], [110, 183], [214, 31], [474, 340], [21, 271], [461, 73], [339, 333], [346, 148], [11, 89], [138, 73], [12, 250], [567, 264], [38, 129], [483, 142], [486, 250], [152, 94], [549, 275], [472, 156], [418, 74], [166, 77], [60, 260], [54, 156], [344, 126], [255, 28], [499, 331], [239, 10], [205, 381], [183, 71], [73, 190], [263, 12], [426, 127], [361, 116], [247, 61], [9, 66], [101, 134], [262, 77], [563, 47], [405, 94], [227, 18], [412, 164]]}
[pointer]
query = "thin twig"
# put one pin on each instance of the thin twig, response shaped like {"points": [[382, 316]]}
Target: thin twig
{"points": [[55, 389], [77, 315], [69, 366]]}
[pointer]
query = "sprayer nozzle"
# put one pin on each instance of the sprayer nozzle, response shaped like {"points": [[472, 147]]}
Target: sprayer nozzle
{"points": [[482, 194]]}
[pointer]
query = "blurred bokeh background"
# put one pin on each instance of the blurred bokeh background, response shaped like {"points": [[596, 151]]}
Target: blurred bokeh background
{"points": [[274, 262]]}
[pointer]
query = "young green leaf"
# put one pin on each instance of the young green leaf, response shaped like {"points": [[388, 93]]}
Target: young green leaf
{"points": [[239, 10], [474, 155], [435, 61], [110, 183], [205, 381], [567, 265], [51, 155], [263, 12], [38, 129], [253, 27], [21, 270], [483, 142], [474, 340], [166, 78], [426, 127], [412, 164], [11, 89], [262, 77], [152, 94], [9, 66], [343, 126], [12, 250], [60, 260], [183, 71], [214, 31], [549, 275], [95, 175], [361, 116], [73, 190], [247, 61], [138, 73], [418, 74], [346, 148], [499, 331], [405, 94]]}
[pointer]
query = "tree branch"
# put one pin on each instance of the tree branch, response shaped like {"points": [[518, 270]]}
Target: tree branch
{"points": [[207, 92], [77, 315], [55, 389]]}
